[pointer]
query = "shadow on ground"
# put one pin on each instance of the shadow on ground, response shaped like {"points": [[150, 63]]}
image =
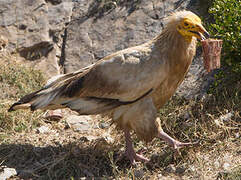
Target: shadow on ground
{"points": [[56, 162], [73, 161]]}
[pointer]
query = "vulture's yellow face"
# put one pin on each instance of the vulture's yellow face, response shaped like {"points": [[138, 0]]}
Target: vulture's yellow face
{"points": [[190, 26]]}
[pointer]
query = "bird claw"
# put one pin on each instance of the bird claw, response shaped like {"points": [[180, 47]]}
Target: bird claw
{"points": [[174, 143], [177, 144], [136, 157], [130, 152], [133, 158]]}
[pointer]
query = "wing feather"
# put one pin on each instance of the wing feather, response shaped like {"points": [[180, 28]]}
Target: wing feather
{"points": [[125, 76], [118, 79]]}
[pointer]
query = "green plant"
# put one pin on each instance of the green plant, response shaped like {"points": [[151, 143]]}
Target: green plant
{"points": [[227, 26], [16, 81]]}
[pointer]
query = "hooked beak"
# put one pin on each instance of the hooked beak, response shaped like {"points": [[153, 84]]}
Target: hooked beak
{"points": [[201, 33], [204, 35]]}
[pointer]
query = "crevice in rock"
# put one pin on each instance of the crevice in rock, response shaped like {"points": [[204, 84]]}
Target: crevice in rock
{"points": [[54, 2], [62, 57], [178, 4], [36, 51], [100, 8]]}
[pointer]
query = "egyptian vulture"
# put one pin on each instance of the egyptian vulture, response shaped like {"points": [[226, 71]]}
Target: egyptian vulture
{"points": [[130, 85]]}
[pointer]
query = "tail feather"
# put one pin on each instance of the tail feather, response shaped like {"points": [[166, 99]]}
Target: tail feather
{"points": [[42, 98], [33, 101], [45, 98], [18, 105], [23, 103]]}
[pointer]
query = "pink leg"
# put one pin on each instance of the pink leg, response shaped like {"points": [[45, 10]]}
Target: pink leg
{"points": [[130, 152], [172, 142]]}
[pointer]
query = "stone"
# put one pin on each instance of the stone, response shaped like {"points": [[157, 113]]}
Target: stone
{"points": [[160, 176], [226, 166], [6, 172], [104, 125], [78, 123], [53, 115], [139, 173], [170, 168], [226, 117], [237, 135], [43, 129]]}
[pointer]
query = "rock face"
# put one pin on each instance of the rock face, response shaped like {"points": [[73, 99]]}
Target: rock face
{"points": [[65, 35], [31, 27], [102, 27]]}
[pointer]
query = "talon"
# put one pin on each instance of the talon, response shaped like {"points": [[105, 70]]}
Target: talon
{"points": [[174, 143], [130, 152]]}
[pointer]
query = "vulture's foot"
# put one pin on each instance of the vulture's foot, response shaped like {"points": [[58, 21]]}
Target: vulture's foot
{"points": [[130, 152], [134, 157], [172, 142]]}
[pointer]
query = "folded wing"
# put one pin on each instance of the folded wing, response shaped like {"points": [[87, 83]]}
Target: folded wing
{"points": [[116, 80]]}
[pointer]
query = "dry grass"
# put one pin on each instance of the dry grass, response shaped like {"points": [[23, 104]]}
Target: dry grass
{"points": [[16, 81], [65, 154]]}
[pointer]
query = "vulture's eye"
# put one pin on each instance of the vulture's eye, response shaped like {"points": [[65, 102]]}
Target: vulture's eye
{"points": [[185, 24]]}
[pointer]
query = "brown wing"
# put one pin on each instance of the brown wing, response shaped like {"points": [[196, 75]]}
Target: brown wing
{"points": [[121, 78]]}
